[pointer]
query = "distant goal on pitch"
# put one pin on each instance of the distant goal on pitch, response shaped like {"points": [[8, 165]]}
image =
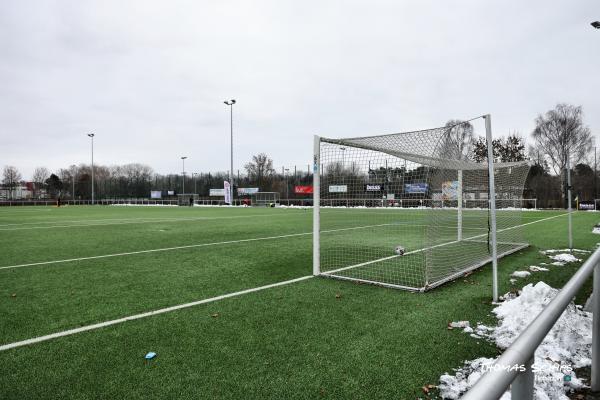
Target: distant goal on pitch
{"points": [[265, 199], [412, 210]]}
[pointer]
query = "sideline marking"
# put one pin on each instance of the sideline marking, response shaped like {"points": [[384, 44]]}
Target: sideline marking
{"points": [[19, 227], [146, 314], [190, 246]]}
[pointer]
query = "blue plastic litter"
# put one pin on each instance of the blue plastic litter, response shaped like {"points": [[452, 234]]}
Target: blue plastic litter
{"points": [[150, 355]]}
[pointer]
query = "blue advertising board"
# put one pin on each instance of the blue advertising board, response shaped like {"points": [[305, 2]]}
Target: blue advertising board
{"points": [[416, 187]]}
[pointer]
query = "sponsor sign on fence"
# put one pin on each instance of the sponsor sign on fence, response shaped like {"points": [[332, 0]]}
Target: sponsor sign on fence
{"points": [[155, 194], [338, 188], [216, 192], [416, 187], [245, 191], [303, 189], [587, 205], [374, 187], [450, 190]]}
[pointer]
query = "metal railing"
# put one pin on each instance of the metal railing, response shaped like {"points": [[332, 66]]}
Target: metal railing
{"points": [[300, 202], [494, 383]]}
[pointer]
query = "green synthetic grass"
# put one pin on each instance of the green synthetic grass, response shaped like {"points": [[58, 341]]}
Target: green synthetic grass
{"points": [[319, 338]]}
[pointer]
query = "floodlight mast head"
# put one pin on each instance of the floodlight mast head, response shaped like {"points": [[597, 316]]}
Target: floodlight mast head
{"points": [[230, 102], [596, 24]]}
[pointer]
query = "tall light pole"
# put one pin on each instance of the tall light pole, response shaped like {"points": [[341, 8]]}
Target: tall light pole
{"points": [[287, 186], [73, 179], [183, 174], [230, 103], [194, 175], [92, 136]]}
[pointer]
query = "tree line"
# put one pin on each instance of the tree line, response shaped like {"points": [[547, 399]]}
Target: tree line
{"points": [[558, 133]]}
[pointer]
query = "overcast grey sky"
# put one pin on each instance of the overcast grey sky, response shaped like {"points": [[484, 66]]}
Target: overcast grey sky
{"points": [[149, 78]]}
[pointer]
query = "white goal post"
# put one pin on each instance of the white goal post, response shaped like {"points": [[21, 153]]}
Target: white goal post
{"points": [[413, 210], [265, 199]]}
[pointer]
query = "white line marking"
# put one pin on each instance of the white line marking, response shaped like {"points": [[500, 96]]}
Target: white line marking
{"points": [[140, 221], [178, 307], [146, 314], [183, 247]]}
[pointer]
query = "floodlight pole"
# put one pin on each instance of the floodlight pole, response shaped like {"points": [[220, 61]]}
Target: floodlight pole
{"points": [[230, 103], [73, 179], [287, 187], [91, 135], [569, 209], [492, 202], [183, 174], [316, 204], [194, 175]]}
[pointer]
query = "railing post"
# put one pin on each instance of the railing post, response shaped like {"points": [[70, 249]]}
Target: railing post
{"points": [[522, 386], [596, 331]]}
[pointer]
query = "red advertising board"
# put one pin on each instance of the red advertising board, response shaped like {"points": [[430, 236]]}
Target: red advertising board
{"points": [[303, 189]]}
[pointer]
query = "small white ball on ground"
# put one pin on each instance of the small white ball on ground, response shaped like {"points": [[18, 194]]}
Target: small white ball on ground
{"points": [[399, 250]]}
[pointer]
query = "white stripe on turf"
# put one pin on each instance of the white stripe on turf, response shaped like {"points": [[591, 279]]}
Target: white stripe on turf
{"points": [[180, 306], [191, 246], [146, 314], [19, 227]]}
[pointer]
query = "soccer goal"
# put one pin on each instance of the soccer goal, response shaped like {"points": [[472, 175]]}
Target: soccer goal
{"points": [[265, 199], [454, 217]]}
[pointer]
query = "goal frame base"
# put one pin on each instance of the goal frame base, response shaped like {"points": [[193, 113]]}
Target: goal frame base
{"points": [[461, 273]]}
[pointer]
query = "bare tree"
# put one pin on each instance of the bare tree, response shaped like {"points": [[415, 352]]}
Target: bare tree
{"points": [[458, 141], [260, 168], [40, 174], [11, 178], [560, 133]]}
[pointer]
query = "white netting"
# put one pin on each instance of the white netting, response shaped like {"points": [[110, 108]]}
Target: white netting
{"points": [[410, 210]]}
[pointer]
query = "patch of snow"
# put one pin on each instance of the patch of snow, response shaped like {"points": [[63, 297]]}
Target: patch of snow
{"points": [[512, 281], [596, 230], [535, 268], [143, 205], [565, 257], [521, 274], [550, 251], [459, 324], [567, 345], [558, 263]]}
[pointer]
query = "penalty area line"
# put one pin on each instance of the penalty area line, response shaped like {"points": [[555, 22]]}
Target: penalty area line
{"points": [[190, 246], [104, 324]]}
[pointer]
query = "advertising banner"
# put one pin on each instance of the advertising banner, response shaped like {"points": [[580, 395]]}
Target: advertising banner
{"points": [[216, 192], [227, 190], [450, 190], [374, 187], [338, 188], [416, 188], [155, 194], [587, 205], [246, 191], [303, 189]]}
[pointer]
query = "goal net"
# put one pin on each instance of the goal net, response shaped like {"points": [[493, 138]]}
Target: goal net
{"points": [[411, 210], [265, 199]]}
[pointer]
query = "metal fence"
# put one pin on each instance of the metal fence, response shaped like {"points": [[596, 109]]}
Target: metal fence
{"points": [[493, 384], [306, 202]]}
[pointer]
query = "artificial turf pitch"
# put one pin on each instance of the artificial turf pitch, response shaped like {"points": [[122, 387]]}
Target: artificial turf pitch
{"points": [[319, 338]]}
